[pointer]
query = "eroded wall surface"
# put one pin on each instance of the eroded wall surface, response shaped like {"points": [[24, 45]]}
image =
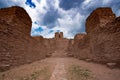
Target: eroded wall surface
{"points": [[17, 47], [102, 40]]}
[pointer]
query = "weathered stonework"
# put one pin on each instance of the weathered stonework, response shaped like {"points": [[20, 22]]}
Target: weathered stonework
{"points": [[102, 41], [80, 47], [59, 35], [17, 47], [99, 18], [100, 44]]}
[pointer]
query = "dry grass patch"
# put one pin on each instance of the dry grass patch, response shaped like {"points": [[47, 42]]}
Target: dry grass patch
{"points": [[75, 72], [43, 74]]}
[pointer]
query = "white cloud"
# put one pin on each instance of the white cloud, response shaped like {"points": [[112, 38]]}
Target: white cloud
{"points": [[87, 4], [70, 21]]}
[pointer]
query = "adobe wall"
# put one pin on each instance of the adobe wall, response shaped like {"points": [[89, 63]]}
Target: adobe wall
{"points": [[100, 16], [50, 46], [105, 37], [17, 47], [59, 35], [80, 48], [102, 41]]}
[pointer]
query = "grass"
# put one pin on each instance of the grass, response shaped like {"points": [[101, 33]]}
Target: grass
{"points": [[77, 73], [42, 74]]}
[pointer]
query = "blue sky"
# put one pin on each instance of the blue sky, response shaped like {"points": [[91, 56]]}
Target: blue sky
{"points": [[68, 16]]}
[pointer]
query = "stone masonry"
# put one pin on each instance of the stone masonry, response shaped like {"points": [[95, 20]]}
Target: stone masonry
{"points": [[59, 35], [100, 43]]}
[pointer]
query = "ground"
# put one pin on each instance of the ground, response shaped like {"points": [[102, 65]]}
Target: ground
{"points": [[56, 68]]}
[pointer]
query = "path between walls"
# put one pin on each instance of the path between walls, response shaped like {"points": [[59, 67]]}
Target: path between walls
{"points": [[57, 69], [59, 72]]}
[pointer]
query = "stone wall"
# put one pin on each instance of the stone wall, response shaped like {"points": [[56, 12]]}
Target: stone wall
{"points": [[79, 47], [17, 47], [100, 16], [50, 46], [105, 44], [59, 35], [102, 41], [100, 44], [105, 36]]}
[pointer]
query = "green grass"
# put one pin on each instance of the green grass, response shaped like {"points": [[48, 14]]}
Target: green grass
{"points": [[43, 74], [77, 73]]}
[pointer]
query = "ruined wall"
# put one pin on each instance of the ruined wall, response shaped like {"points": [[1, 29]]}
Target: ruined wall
{"points": [[80, 48], [70, 48], [60, 44], [105, 37], [100, 16], [50, 46], [17, 47], [59, 35], [102, 41]]}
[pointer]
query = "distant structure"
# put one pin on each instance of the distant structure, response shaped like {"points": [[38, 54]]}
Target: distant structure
{"points": [[59, 35]]}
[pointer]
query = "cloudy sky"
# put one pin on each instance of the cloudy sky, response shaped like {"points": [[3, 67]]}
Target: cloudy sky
{"points": [[68, 16]]}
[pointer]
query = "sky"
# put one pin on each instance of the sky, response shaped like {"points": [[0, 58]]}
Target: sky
{"points": [[67, 16]]}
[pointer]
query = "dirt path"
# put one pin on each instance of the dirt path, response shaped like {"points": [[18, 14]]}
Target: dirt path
{"points": [[61, 69], [59, 72], [90, 71]]}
